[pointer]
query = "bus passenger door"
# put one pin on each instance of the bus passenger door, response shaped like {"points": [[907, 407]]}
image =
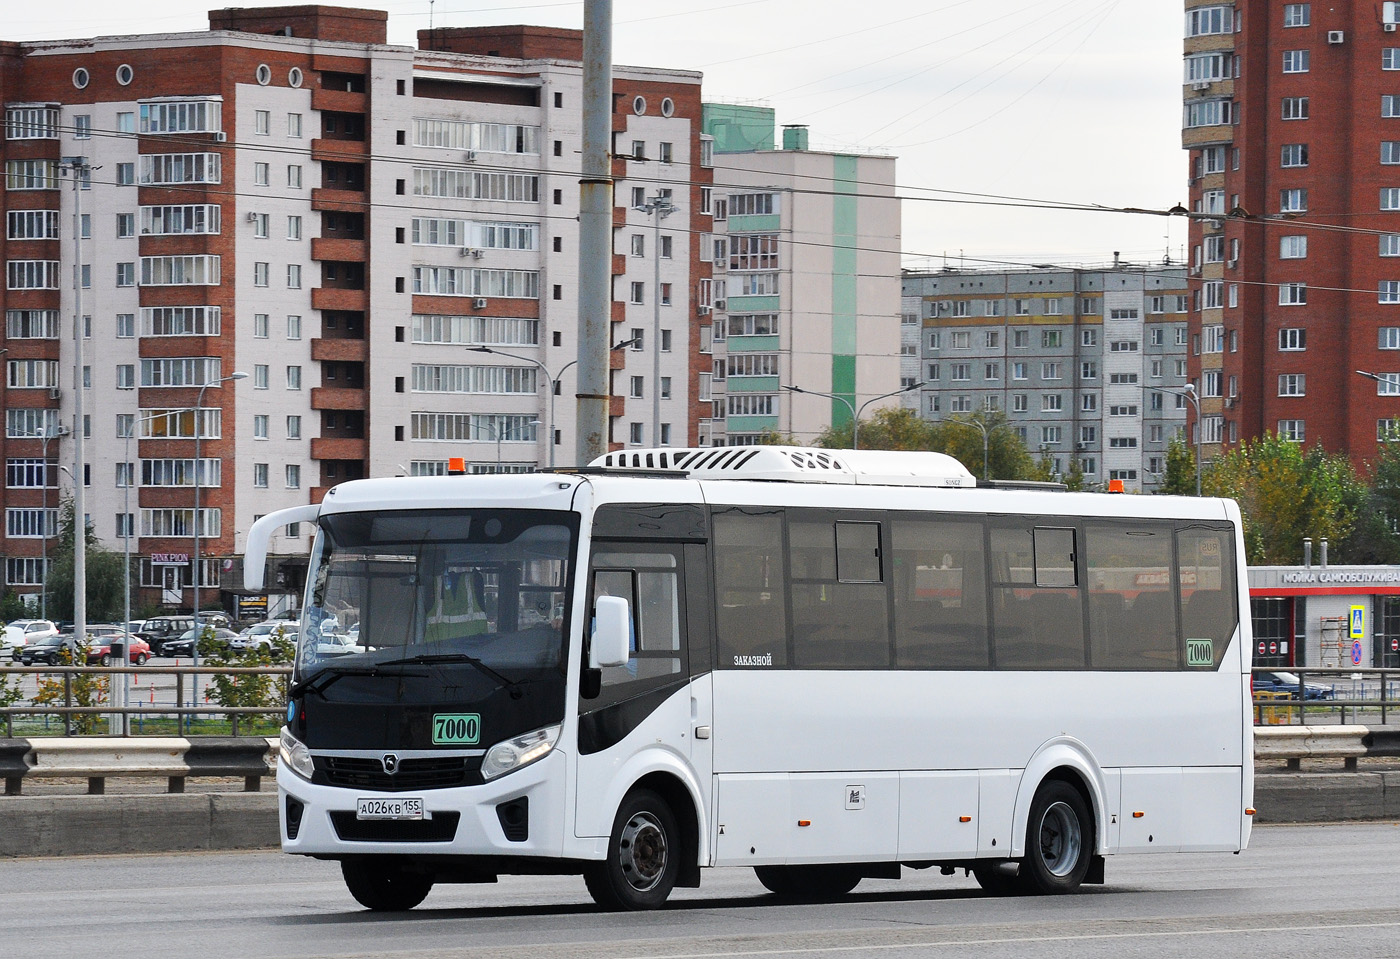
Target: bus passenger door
{"points": [[645, 705]]}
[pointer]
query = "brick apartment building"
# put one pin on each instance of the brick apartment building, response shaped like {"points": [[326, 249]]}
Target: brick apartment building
{"points": [[1292, 125], [287, 196]]}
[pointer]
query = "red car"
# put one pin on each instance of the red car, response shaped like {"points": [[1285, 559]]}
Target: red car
{"points": [[100, 646]]}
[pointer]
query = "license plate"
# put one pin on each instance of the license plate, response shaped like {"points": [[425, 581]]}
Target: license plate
{"points": [[397, 808]]}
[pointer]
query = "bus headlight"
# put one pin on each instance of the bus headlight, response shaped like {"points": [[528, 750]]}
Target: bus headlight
{"points": [[295, 754], [521, 751]]}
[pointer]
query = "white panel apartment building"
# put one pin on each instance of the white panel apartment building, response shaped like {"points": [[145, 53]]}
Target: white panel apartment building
{"points": [[287, 196], [1086, 365]]}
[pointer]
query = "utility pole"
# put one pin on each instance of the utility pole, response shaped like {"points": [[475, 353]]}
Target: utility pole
{"points": [[595, 234], [80, 171], [658, 208]]}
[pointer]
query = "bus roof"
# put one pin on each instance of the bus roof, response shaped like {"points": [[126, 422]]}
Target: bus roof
{"points": [[796, 464]]}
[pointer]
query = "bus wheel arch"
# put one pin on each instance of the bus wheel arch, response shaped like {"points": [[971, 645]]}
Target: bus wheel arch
{"points": [[1067, 760], [682, 804]]}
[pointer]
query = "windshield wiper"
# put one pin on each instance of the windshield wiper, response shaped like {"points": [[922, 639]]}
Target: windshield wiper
{"points": [[434, 659], [331, 674]]}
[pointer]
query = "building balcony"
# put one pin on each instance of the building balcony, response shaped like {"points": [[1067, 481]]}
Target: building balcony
{"points": [[339, 201], [332, 398], [339, 351], [334, 249], [339, 101], [324, 149], [339, 448], [332, 298]]}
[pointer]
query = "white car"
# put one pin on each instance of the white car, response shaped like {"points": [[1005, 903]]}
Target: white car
{"points": [[22, 632], [260, 635]]}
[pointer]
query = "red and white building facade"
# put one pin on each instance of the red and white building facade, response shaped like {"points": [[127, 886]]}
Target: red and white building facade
{"points": [[287, 196]]}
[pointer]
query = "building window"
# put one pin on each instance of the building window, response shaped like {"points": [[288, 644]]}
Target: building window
{"points": [[1051, 435], [293, 276], [1390, 152], [293, 476], [1293, 201], [1295, 61], [1051, 403], [1206, 21], [260, 174], [1292, 247], [294, 125], [1295, 155], [1297, 14], [1295, 108], [1389, 291], [261, 272], [1296, 294], [1292, 384], [1051, 371], [294, 228], [1293, 339], [294, 377], [1089, 338], [638, 292], [1020, 403], [1051, 339]]}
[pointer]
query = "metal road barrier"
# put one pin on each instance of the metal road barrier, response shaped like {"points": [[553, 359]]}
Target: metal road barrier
{"points": [[1326, 694], [160, 700], [97, 758]]}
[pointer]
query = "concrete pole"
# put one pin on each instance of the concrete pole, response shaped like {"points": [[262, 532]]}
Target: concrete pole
{"points": [[116, 696], [595, 234]]}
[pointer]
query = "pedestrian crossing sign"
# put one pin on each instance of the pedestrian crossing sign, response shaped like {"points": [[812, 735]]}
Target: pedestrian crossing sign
{"points": [[1358, 623]]}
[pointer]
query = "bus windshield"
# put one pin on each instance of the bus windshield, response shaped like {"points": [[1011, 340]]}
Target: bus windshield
{"points": [[480, 591]]}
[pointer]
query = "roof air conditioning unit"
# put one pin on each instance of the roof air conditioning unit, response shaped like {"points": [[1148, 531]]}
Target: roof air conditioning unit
{"points": [[719, 304], [703, 310], [55, 393], [252, 217], [466, 251], [479, 303], [1336, 36], [469, 156], [221, 136], [1389, 28]]}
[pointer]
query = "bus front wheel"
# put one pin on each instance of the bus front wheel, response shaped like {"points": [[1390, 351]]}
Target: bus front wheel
{"points": [[384, 888], [643, 856], [1059, 840]]}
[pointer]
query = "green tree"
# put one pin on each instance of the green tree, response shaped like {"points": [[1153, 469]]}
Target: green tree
{"points": [[104, 570], [247, 689], [1286, 492], [1376, 538], [85, 689], [889, 428], [1180, 476]]}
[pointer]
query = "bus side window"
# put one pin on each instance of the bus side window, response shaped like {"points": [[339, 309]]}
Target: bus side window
{"points": [[1132, 622], [1035, 627], [940, 594], [839, 614], [1207, 600], [750, 588], [649, 580]]}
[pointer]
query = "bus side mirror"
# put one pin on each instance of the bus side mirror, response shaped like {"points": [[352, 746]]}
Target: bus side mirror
{"points": [[612, 633]]}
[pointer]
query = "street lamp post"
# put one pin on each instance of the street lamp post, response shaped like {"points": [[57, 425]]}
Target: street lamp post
{"points": [[982, 427], [553, 380], [1189, 391], [198, 409], [855, 411], [502, 434]]}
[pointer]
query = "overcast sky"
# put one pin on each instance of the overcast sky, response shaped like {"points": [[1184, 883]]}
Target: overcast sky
{"points": [[1063, 101]]}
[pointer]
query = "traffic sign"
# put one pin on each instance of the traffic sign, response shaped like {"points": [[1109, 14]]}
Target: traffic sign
{"points": [[1356, 653], [1261, 647], [1273, 649], [1357, 623], [1395, 645]]}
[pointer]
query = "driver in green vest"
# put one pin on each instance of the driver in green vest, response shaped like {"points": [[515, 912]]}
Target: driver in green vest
{"points": [[458, 611]]}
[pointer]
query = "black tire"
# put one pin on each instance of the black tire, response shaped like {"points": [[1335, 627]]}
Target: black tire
{"points": [[384, 888], [644, 856], [998, 883], [808, 883], [1059, 840], [140, 659], [106, 659]]}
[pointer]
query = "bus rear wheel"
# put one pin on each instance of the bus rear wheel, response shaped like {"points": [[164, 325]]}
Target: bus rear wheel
{"points": [[384, 888], [808, 883], [1059, 840], [643, 856]]}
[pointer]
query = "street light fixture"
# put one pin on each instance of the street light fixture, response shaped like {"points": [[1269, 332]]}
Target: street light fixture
{"points": [[553, 380], [198, 409], [1189, 391], [855, 411], [982, 427], [502, 434]]}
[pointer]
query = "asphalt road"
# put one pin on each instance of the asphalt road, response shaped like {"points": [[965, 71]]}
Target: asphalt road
{"points": [[1331, 891]]}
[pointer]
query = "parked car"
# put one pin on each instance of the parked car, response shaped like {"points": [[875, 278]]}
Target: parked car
{"points": [[48, 651], [22, 632], [1279, 682], [260, 635], [214, 617], [158, 629], [100, 643], [184, 644]]}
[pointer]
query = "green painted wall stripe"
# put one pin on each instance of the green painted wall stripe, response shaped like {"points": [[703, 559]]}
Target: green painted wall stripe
{"points": [[844, 229]]}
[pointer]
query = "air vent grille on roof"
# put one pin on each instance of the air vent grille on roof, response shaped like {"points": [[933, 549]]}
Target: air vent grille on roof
{"points": [[799, 465]]}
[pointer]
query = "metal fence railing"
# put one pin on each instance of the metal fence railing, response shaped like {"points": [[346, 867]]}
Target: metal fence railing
{"points": [[1326, 694], [159, 700]]}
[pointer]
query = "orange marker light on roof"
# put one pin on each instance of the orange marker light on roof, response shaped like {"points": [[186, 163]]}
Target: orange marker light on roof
{"points": [[456, 466], [1115, 486]]}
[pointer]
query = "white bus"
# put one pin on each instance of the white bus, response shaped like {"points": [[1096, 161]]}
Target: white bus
{"points": [[825, 665]]}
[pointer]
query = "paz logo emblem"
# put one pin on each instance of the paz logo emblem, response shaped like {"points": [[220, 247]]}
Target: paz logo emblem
{"points": [[391, 763]]}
